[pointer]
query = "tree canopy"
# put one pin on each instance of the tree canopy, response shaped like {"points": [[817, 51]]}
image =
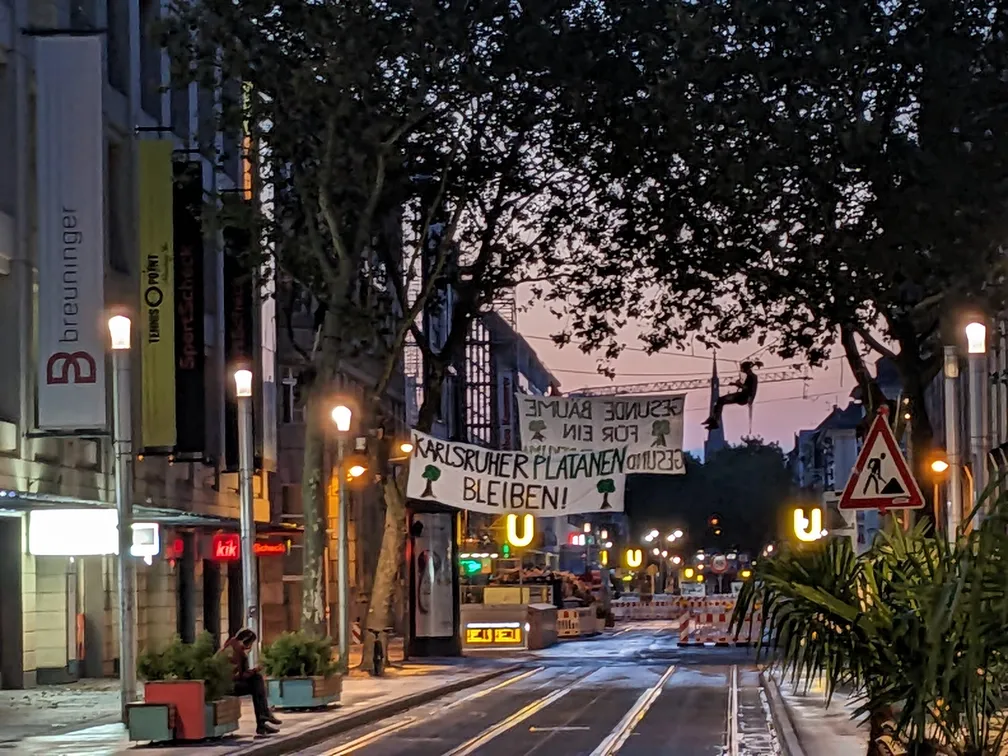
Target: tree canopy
{"points": [[806, 172]]}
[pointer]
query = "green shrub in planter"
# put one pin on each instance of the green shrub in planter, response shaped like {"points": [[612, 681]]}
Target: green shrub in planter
{"points": [[300, 672], [189, 661], [299, 654]]}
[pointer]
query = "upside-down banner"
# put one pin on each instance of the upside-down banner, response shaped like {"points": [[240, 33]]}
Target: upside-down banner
{"points": [[495, 482], [157, 294], [650, 427]]}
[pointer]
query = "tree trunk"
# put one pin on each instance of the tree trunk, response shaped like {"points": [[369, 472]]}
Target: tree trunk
{"points": [[313, 503], [390, 559]]}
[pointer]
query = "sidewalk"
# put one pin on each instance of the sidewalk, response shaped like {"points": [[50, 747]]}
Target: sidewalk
{"points": [[52, 709], [819, 730], [365, 699]]}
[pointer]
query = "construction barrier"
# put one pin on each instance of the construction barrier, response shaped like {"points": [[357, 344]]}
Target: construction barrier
{"points": [[578, 623]]}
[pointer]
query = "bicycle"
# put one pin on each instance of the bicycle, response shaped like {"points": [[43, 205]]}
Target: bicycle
{"points": [[379, 658]]}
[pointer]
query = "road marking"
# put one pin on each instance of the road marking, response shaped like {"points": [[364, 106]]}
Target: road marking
{"points": [[625, 728], [574, 728], [732, 736], [494, 689], [472, 745], [366, 740]]}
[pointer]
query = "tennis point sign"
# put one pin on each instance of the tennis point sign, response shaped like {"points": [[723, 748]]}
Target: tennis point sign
{"points": [[494, 482]]}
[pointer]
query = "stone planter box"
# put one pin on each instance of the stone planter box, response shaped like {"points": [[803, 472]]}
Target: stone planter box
{"points": [[304, 692], [176, 710]]}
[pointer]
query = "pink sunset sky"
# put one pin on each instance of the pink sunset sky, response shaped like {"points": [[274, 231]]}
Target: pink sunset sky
{"points": [[780, 409]]}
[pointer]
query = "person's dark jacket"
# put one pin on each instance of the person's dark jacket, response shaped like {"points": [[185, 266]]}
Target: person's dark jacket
{"points": [[238, 656]]}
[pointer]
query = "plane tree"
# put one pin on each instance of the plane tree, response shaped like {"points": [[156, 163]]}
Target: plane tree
{"points": [[404, 161], [806, 174]]}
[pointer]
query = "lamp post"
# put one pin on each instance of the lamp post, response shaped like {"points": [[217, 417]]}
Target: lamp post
{"points": [[939, 469], [250, 583], [955, 505], [342, 415], [976, 344], [119, 330]]}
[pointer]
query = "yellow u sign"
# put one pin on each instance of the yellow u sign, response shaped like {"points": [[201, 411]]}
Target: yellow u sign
{"points": [[808, 529], [634, 558], [528, 530]]}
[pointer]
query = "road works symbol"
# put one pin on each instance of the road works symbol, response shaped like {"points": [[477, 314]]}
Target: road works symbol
{"points": [[881, 478]]}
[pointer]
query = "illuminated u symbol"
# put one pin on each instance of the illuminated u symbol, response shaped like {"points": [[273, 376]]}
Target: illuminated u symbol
{"points": [[808, 529], [528, 530], [634, 558]]}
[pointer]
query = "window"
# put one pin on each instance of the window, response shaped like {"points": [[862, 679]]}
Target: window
{"points": [[150, 61], [290, 412], [117, 41], [116, 183]]}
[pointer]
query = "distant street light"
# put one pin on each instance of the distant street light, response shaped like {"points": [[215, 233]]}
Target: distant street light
{"points": [[406, 447], [342, 416], [676, 560], [677, 533], [656, 552], [246, 496], [939, 466]]}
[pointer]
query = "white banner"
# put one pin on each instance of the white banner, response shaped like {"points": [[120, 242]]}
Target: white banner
{"points": [[72, 328], [495, 482], [651, 427]]}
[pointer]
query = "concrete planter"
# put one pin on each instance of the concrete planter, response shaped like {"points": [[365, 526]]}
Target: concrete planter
{"points": [[177, 710], [304, 692]]}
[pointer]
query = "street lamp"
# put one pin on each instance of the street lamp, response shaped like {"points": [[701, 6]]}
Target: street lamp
{"points": [[406, 447], [342, 417], [976, 346], [249, 561], [939, 467], [955, 506], [356, 471], [119, 331], [677, 533]]}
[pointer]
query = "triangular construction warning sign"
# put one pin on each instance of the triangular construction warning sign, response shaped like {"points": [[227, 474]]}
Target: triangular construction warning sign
{"points": [[881, 478]]}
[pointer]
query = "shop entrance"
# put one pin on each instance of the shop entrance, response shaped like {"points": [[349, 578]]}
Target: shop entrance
{"points": [[11, 649]]}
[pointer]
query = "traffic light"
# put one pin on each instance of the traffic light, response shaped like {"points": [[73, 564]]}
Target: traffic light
{"points": [[714, 521]]}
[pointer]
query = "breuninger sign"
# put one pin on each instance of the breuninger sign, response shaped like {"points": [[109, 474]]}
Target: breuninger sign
{"points": [[650, 427], [496, 482]]}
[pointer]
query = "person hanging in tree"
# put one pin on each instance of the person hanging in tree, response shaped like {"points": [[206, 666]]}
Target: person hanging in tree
{"points": [[745, 395]]}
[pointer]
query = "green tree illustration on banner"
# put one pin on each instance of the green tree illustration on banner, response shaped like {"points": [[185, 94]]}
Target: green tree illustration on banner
{"points": [[537, 427], [660, 429], [605, 487], [430, 474]]}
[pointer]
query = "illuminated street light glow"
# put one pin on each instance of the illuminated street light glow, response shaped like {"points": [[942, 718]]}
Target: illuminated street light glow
{"points": [[976, 338], [664, 553], [119, 330], [676, 560], [406, 447], [243, 383], [939, 466], [341, 415], [656, 552], [677, 533], [357, 470], [653, 534]]}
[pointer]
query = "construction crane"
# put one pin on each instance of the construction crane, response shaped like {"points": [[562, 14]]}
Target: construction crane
{"points": [[796, 372]]}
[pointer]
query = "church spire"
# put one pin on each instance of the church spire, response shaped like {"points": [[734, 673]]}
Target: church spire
{"points": [[715, 437]]}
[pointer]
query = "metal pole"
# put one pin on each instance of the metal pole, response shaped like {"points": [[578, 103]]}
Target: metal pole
{"points": [[955, 505], [342, 562], [250, 583], [123, 444], [978, 435]]}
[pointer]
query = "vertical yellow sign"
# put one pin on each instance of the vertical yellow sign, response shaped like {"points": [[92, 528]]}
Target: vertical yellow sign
{"points": [[157, 294]]}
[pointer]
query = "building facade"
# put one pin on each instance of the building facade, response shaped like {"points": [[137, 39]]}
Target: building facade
{"points": [[199, 317]]}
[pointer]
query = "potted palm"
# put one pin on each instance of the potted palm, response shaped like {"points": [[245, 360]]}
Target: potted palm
{"points": [[300, 672], [187, 690], [914, 628]]}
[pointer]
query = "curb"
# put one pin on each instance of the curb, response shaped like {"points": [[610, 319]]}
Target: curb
{"points": [[781, 717], [318, 734]]}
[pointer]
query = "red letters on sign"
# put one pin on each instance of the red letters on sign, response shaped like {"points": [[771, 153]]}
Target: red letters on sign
{"points": [[269, 548], [69, 367], [226, 547]]}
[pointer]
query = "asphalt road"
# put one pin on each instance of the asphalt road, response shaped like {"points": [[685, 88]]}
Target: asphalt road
{"points": [[634, 693]]}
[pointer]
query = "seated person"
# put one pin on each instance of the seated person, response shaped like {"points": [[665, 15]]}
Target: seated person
{"points": [[250, 682]]}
